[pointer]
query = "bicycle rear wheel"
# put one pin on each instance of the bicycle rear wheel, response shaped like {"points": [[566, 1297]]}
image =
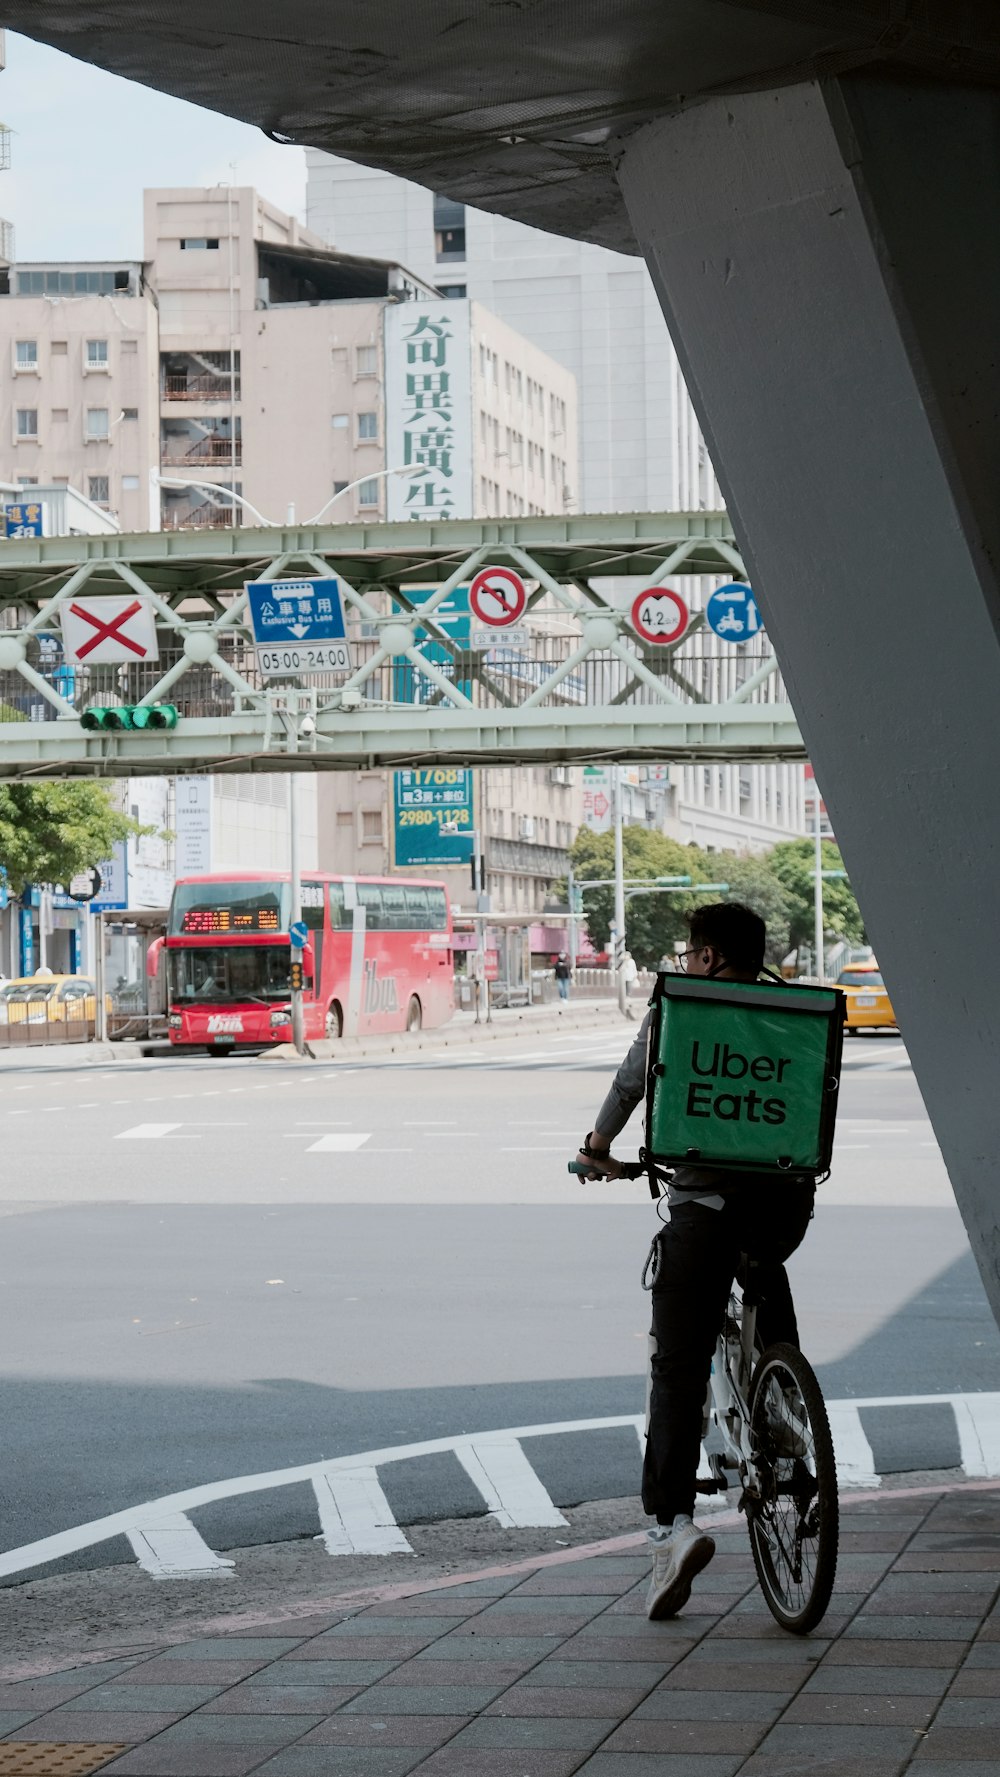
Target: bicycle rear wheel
{"points": [[794, 1518]]}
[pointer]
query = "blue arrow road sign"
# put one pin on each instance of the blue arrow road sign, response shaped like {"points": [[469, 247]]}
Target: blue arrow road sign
{"points": [[298, 626], [732, 613], [298, 934]]}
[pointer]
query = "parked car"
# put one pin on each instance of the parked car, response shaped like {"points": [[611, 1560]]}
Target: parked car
{"points": [[49, 999], [868, 1004]]}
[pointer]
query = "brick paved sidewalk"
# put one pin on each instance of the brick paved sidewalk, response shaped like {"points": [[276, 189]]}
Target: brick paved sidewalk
{"points": [[544, 1669]]}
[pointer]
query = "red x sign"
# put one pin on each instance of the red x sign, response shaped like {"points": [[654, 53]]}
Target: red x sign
{"points": [[102, 630]]}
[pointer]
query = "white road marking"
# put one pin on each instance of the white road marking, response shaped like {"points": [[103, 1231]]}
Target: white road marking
{"points": [[503, 1475], [344, 1143], [978, 1419], [855, 1458], [146, 1132], [168, 1547], [431, 1123], [355, 1515], [854, 1454]]}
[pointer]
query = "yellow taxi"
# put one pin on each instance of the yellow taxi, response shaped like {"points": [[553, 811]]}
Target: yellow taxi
{"points": [[48, 999], [868, 1004]]}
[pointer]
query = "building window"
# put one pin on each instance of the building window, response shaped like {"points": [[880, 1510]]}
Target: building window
{"points": [[97, 422], [453, 292], [27, 422], [97, 354], [340, 421], [367, 428], [130, 484], [198, 244], [371, 826], [368, 493], [340, 487], [449, 229], [26, 354], [366, 361], [27, 481], [98, 489], [130, 413]]}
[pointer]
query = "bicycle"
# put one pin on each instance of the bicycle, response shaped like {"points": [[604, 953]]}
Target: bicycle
{"points": [[769, 1410]]}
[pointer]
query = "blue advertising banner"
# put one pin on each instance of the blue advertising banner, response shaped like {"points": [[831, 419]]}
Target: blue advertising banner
{"points": [[426, 801]]}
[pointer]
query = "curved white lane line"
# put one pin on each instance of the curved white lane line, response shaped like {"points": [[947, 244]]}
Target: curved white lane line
{"points": [[977, 1418]]}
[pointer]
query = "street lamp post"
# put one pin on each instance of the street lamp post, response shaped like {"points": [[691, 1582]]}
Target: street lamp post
{"points": [[214, 487], [621, 983]]}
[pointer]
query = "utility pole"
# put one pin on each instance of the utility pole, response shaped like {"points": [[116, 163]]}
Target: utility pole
{"points": [[820, 960], [571, 939], [619, 893], [295, 910]]}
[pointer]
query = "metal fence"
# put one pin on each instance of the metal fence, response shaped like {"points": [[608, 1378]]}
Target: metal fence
{"points": [[34, 1020]]}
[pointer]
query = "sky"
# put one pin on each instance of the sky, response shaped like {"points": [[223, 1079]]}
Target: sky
{"points": [[86, 144]]}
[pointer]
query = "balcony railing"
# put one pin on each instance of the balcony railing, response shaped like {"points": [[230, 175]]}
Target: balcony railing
{"points": [[210, 450], [200, 388]]}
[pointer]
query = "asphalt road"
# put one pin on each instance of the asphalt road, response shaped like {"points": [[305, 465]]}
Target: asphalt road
{"points": [[217, 1269]]}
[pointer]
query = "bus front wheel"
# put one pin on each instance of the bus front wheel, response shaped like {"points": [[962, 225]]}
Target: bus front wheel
{"points": [[414, 1015], [334, 1020]]}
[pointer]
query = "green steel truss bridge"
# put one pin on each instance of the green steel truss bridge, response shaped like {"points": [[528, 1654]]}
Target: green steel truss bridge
{"points": [[588, 689]]}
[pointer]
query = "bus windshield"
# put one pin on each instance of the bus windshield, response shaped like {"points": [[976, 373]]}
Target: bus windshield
{"points": [[218, 974], [217, 909]]}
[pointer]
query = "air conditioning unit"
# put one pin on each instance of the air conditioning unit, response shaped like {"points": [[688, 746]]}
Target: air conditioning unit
{"points": [[559, 774], [527, 826]]}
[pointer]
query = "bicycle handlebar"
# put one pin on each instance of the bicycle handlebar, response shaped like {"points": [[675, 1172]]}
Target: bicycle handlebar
{"points": [[629, 1169]]}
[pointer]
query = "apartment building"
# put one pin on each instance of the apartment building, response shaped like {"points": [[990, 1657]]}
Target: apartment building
{"points": [[78, 384], [525, 820], [244, 356]]}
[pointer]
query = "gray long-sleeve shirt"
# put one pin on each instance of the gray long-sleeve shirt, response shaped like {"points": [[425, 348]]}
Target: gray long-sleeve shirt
{"points": [[691, 1184]]}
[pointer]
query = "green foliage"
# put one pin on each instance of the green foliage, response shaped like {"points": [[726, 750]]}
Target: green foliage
{"points": [[50, 831], [778, 885], [653, 922], [793, 863]]}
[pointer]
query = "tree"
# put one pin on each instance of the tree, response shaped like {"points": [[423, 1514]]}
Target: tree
{"points": [[653, 922], [50, 831], [793, 863], [753, 881]]}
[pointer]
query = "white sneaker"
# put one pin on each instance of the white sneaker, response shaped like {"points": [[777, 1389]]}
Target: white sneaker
{"points": [[676, 1562]]}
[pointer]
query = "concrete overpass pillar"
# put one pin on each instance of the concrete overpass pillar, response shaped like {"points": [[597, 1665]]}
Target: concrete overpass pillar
{"points": [[828, 260]]}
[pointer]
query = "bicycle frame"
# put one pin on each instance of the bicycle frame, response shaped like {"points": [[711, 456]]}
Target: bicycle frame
{"points": [[729, 1393]]}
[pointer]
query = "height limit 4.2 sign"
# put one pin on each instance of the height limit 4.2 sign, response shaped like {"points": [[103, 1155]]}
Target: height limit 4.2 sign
{"points": [[298, 627]]}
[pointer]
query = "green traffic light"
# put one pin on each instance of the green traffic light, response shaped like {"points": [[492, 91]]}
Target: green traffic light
{"points": [[102, 717], [154, 715], [114, 718]]}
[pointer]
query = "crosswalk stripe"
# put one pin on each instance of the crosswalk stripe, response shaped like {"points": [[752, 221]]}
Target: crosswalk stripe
{"points": [[501, 1472], [355, 1516], [170, 1548], [855, 1457], [978, 1420]]}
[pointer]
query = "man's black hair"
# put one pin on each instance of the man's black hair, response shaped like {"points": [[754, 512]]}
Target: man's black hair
{"points": [[737, 932]]}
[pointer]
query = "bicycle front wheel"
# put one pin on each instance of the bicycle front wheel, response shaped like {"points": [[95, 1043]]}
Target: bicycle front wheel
{"points": [[793, 1517]]}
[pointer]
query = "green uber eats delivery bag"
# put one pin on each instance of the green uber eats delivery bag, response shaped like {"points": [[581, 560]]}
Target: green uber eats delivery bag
{"points": [[742, 1076]]}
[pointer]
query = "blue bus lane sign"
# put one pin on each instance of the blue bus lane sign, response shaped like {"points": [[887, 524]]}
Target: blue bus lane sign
{"points": [[298, 627], [732, 613]]}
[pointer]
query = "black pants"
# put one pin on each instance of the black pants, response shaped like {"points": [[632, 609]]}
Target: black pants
{"points": [[699, 1252]]}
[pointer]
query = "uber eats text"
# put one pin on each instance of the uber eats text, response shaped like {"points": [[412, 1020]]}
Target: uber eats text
{"points": [[718, 1062]]}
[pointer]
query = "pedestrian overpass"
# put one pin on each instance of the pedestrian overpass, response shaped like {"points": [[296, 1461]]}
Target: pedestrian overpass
{"points": [[587, 687]]}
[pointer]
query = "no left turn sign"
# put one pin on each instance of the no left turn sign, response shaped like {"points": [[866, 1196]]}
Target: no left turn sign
{"points": [[497, 597], [660, 615]]}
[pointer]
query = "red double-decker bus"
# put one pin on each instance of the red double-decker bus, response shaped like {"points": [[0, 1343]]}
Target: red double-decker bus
{"points": [[378, 957]]}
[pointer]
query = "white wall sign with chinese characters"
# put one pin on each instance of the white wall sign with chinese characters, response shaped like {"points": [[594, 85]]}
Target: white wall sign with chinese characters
{"points": [[428, 410], [597, 793], [193, 826]]}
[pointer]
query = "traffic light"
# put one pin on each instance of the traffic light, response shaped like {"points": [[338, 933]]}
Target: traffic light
{"points": [[298, 980], [114, 717]]}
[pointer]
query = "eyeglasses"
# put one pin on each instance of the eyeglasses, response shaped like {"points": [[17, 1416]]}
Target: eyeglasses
{"points": [[684, 954]]}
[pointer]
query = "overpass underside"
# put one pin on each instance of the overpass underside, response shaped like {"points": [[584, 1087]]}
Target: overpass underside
{"points": [[586, 688]]}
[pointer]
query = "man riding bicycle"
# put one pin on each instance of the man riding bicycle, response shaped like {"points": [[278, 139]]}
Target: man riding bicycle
{"points": [[714, 1218]]}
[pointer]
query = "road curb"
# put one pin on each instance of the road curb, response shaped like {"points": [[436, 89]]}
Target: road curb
{"points": [[506, 1025]]}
